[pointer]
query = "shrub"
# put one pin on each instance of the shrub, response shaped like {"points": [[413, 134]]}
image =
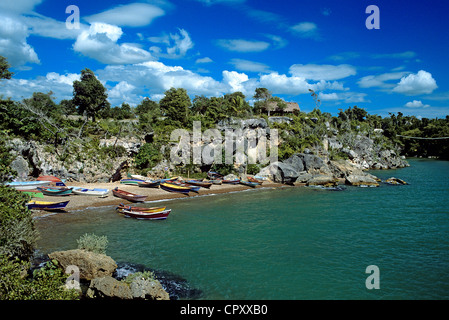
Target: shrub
{"points": [[147, 275], [93, 243]]}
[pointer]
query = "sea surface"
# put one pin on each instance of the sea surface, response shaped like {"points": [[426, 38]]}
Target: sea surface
{"points": [[290, 243]]}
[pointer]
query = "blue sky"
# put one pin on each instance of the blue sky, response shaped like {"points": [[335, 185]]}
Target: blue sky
{"points": [[142, 48]]}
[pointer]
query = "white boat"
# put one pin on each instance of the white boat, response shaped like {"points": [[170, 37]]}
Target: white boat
{"points": [[28, 185], [97, 192], [139, 177]]}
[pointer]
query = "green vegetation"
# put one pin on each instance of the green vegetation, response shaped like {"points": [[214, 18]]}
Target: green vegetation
{"points": [[146, 275], [93, 243]]}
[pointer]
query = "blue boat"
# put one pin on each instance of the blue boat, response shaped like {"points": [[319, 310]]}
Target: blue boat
{"points": [[131, 181], [55, 191], [249, 183], [44, 205]]}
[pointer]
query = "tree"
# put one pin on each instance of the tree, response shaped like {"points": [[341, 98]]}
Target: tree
{"points": [[89, 94], [175, 105], [4, 66], [262, 96]]}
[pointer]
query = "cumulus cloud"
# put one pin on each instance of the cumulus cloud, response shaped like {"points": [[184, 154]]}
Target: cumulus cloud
{"points": [[177, 45], [306, 30], [416, 104], [241, 45], [322, 72], [13, 42], [415, 84], [380, 81], [130, 15], [100, 43]]}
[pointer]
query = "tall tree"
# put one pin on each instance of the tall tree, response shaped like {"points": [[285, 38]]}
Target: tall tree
{"points": [[175, 105], [4, 66], [89, 94]]}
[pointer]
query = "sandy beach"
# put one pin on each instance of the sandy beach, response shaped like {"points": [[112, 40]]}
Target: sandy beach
{"points": [[79, 202]]}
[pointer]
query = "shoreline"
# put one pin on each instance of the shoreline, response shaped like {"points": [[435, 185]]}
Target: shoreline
{"points": [[81, 202]]}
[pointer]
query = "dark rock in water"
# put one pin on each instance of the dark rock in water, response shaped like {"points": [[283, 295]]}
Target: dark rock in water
{"points": [[175, 285]]}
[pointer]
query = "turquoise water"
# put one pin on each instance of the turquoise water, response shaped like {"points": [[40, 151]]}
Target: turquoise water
{"points": [[291, 243]]}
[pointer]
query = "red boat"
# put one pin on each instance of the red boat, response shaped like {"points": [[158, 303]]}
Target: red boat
{"points": [[147, 215], [121, 206], [128, 195], [49, 178]]}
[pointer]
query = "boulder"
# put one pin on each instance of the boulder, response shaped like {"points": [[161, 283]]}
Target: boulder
{"points": [[323, 180], [296, 162], [108, 287], [20, 165], [361, 180], [91, 265], [303, 177], [148, 289], [395, 181], [279, 172]]}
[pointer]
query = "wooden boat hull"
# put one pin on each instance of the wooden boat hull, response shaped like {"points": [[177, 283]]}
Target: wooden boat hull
{"points": [[162, 215], [253, 180], [128, 195], [28, 185], [55, 191], [121, 206], [175, 188], [149, 184], [236, 181], [214, 175], [199, 183], [96, 192], [249, 183], [44, 205], [49, 178], [131, 181]]}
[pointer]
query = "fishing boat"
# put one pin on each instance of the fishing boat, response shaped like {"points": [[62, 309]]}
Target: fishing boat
{"points": [[234, 181], [142, 215], [149, 184], [249, 183], [131, 181], [251, 179], [97, 192], [34, 193], [181, 184], [138, 177], [175, 188], [216, 181], [128, 195], [121, 206], [55, 191], [26, 185], [54, 180], [214, 175], [45, 205], [198, 183]]}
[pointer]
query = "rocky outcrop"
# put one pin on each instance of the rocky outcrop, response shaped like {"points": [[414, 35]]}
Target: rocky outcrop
{"points": [[361, 180], [108, 287], [148, 289], [91, 265]]}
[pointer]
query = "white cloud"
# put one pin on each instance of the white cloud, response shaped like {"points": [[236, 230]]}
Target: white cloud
{"points": [[415, 84], [241, 45], [251, 66], [380, 81], [13, 42], [48, 27], [305, 30], [18, 6], [204, 60], [100, 43], [177, 44], [130, 15], [322, 72], [123, 92], [416, 104], [346, 97]]}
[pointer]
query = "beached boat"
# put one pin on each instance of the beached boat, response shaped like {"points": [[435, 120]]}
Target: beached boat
{"points": [[131, 181], [214, 175], [55, 191], [97, 192], [149, 184], [181, 184], [142, 215], [49, 178], [121, 206], [138, 177], [251, 179], [235, 181], [216, 181], [128, 195], [45, 205], [26, 185], [34, 193], [249, 183], [199, 183], [175, 188]]}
